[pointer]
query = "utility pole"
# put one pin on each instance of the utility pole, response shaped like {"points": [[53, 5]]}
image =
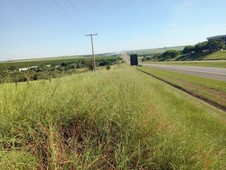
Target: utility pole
{"points": [[94, 61]]}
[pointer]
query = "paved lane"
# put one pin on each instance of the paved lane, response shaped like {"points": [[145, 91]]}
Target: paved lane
{"points": [[207, 72]]}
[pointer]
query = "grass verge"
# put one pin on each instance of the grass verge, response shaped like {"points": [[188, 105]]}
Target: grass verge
{"points": [[118, 119], [213, 90], [217, 63]]}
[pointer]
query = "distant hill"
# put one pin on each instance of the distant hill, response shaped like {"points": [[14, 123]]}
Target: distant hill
{"points": [[154, 50], [44, 59], [71, 57]]}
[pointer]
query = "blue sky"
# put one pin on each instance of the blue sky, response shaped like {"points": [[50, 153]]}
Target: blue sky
{"points": [[45, 28]]}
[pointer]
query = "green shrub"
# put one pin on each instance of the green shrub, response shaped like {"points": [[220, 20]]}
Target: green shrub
{"points": [[108, 67]]}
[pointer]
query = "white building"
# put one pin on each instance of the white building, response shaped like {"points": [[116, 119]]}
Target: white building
{"points": [[23, 69], [33, 67]]}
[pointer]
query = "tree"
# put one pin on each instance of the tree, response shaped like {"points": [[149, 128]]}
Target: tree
{"points": [[108, 67], [215, 44], [169, 54], [64, 64], [188, 49], [35, 76], [41, 68], [200, 47], [12, 68]]}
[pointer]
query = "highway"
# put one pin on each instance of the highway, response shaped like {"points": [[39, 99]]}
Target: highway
{"points": [[207, 72]]}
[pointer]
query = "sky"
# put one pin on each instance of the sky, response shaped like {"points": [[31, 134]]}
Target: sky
{"points": [[49, 28]]}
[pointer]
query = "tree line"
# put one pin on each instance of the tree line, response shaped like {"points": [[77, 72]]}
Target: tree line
{"points": [[204, 47], [199, 49], [51, 69], [167, 55]]}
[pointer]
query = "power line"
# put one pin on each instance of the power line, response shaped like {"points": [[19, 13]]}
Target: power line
{"points": [[87, 23], [62, 14], [68, 15], [52, 8], [79, 13], [72, 20]]}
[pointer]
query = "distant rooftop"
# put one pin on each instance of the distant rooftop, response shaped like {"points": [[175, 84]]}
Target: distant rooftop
{"points": [[217, 36], [222, 37]]}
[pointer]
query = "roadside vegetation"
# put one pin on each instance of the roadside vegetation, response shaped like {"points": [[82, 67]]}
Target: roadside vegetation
{"points": [[113, 119], [145, 52], [166, 56], [219, 55], [213, 90], [203, 47], [33, 70], [209, 50]]}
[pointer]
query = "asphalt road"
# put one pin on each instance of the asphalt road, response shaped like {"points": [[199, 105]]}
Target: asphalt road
{"points": [[207, 72]]}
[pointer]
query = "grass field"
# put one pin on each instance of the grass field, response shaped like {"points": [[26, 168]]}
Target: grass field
{"points": [[53, 60], [216, 63], [154, 50], [211, 89], [45, 58], [219, 55], [117, 119]]}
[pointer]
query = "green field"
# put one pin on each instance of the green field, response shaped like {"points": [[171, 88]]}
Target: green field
{"points": [[45, 58], [51, 68], [53, 61], [154, 50], [211, 89], [117, 119], [216, 63], [219, 55]]}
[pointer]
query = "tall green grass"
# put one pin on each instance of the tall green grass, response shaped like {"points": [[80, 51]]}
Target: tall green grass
{"points": [[118, 119]]}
